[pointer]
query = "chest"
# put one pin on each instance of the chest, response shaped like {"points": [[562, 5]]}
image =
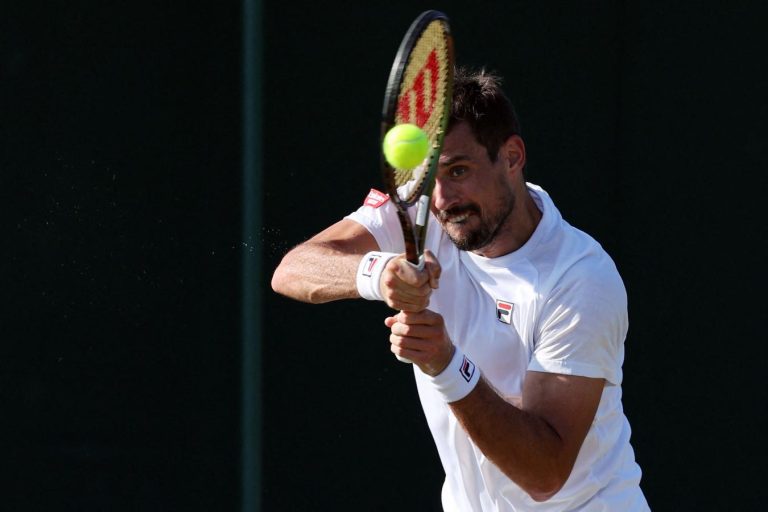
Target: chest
{"points": [[489, 315]]}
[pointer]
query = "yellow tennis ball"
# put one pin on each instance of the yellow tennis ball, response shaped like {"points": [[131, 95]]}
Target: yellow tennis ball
{"points": [[405, 146]]}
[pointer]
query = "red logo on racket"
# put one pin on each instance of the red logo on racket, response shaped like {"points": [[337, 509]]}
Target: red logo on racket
{"points": [[424, 105], [375, 198]]}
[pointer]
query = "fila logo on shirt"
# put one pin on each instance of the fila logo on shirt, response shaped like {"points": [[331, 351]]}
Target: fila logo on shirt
{"points": [[504, 311]]}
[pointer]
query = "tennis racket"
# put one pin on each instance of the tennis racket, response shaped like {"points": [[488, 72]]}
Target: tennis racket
{"points": [[419, 92]]}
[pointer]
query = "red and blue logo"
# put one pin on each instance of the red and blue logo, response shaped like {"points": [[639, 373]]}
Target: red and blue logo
{"points": [[467, 369], [504, 311], [375, 198]]}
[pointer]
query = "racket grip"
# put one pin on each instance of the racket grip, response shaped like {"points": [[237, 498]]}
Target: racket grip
{"points": [[420, 265], [421, 210]]}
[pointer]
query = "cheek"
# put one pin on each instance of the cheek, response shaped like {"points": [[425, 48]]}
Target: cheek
{"points": [[445, 195]]}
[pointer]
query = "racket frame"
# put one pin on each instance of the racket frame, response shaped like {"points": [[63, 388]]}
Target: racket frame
{"points": [[414, 234]]}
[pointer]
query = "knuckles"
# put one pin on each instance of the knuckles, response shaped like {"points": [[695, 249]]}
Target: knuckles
{"points": [[388, 280]]}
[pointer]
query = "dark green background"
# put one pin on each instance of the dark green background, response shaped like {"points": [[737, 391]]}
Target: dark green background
{"points": [[121, 186]]}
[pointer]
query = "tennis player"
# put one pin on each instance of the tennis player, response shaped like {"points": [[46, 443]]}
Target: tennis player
{"points": [[515, 325]]}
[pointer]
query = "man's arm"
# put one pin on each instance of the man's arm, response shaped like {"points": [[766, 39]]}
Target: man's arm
{"points": [[535, 444], [324, 268]]}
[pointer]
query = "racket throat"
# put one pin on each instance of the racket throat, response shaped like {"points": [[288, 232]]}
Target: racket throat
{"points": [[422, 208]]}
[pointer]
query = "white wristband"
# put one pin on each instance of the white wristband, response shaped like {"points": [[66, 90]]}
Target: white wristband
{"points": [[369, 274], [458, 379]]}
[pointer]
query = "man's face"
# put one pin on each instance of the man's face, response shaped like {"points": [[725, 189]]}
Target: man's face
{"points": [[473, 197]]}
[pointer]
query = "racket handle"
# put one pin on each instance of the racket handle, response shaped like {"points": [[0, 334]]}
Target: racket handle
{"points": [[420, 265], [421, 210], [421, 219]]}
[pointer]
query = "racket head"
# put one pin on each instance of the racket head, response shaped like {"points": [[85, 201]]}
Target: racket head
{"points": [[419, 91]]}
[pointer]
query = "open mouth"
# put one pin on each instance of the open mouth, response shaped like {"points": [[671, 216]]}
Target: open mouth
{"points": [[457, 215], [458, 219]]}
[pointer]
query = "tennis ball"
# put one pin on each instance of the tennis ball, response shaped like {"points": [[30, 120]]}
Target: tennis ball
{"points": [[405, 146]]}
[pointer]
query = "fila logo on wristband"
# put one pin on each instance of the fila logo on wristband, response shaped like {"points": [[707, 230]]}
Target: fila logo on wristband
{"points": [[457, 380], [467, 369], [373, 258], [369, 274]]}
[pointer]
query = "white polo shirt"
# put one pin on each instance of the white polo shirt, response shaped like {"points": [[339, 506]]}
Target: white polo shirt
{"points": [[555, 305]]}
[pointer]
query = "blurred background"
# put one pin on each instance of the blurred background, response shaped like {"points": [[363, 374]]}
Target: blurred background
{"points": [[125, 275]]}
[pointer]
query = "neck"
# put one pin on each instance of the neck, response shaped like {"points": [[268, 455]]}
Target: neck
{"points": [[516, 230]]}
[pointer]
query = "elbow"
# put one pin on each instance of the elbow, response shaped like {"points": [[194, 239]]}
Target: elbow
{"points": [[543, 493], [542, 496], [545, 488], [281, 281], [278, 282], [288, 283]]}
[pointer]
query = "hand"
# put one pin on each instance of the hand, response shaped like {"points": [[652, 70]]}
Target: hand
{"points": [[421, 337], [407, 288]]}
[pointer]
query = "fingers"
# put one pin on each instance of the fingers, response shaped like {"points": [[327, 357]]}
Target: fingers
{"points": [[413, 349], [409, 322], [423, 317], [421, 338], [404, 287], [433, 269], [410, 273], [407, 288], [416, 334], [405, 301], [414, 330]]}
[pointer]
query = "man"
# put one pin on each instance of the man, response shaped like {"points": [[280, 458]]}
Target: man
{"points": [[515, 325]]}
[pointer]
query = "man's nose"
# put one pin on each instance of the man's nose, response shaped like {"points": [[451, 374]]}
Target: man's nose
{"points": [[444, 195]]}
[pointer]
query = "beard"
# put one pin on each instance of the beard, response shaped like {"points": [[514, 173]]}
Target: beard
{"points": [[490, 222]]}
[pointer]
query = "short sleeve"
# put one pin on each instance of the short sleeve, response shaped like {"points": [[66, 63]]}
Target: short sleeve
{"points": [[583, 324], [383, 224]]}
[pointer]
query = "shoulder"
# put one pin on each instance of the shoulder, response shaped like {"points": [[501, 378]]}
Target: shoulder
{"points": [[376, 211], [379, 216], [569, 257], [562, 252]]}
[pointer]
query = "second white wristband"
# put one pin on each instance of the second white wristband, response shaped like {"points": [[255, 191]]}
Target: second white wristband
{"points": [[458, 379], [369, 274]]}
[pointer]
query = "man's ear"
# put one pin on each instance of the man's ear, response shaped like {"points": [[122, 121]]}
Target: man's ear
{"points": [[514, 153]]}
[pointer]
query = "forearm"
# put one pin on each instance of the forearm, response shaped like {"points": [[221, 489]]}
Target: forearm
{"points": [[535, 443], [317, 272], [522, 445]]}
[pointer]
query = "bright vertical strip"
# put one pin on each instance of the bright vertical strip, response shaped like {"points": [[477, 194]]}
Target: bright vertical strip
{"points": [[251, 410]]}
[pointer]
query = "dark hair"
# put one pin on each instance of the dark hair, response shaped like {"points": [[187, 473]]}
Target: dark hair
{"points": [[479, 101]]}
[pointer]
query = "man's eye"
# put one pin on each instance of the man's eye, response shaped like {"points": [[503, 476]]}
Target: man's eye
{"points": [[455, 172]]}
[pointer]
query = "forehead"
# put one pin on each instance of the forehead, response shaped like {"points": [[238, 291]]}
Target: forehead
{"points": [[460, 144]]}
